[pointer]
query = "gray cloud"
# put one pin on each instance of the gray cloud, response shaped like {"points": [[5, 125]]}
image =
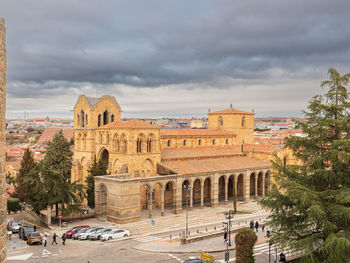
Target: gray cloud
{"points": [[64, 48]]}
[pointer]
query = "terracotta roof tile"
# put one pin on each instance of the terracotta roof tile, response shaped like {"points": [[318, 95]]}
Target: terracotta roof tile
{"points": [[268, 148], [230, 111], [195, 166], [193, 132], [199, 152], [134, 123], [48, 134]]}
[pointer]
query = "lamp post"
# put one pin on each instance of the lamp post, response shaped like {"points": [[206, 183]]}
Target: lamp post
{"points": [[187, 190], [229, 215]]}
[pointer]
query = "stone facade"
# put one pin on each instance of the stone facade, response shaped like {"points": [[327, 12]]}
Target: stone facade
{"points": [[3, 200]]}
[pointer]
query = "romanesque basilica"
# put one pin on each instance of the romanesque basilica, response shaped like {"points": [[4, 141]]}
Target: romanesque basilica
{"points": [[150, 167]]}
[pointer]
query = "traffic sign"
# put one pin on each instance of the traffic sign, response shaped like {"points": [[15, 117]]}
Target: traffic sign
{"points": [[153, 222], [60, 216], [207, 257]]}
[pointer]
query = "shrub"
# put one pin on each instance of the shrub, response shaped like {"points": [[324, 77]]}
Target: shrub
{"points": [[245, 240], [13, 204]]}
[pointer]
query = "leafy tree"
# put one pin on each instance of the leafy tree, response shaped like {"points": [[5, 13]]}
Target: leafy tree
{"points": [[97, 168], [27, 164], [245, 240], [12, 205], [59, 156], [47, 187], [310, 203]]}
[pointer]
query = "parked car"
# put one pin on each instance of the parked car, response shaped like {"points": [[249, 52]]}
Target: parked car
{"points": [[74, 230], [114, 234], [97, 235], [195, 260], [81, 231], [24, 232], [34, 238], [15, 227], [85, 235]]}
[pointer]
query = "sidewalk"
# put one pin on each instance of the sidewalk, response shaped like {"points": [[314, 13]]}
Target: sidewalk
{"points": [[212, 245]]}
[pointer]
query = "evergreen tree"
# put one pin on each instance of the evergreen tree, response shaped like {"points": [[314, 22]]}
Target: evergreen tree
{"points": [[97, 168], [59, 156], [27, 163], [310, 203]]}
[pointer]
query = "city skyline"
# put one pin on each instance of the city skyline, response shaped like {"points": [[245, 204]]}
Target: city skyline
{"points": [[162, 59]]}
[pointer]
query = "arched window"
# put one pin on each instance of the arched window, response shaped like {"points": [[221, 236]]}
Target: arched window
{"points": [[149, 145], [125, 146], [101, 138], [168, 143], [112, 118], [105, 117], [199, 142], [243, 121], [138, 145], [213, 142], [226, 141], [86, 119], [99, 120], [107, 138], [184, 143], [82, 124], [221, 121]]}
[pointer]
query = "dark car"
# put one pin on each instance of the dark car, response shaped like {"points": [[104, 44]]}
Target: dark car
{"points": [[75, 230], [25, 231], [193, 261]]}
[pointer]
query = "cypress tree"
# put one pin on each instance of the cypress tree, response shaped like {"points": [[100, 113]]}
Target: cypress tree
{"points": [[310, 203], [21, 188]]}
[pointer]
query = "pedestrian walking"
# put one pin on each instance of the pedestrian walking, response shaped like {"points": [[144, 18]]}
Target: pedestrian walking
{"points": [[54, 237], [34, 228], [251, 224], [64, 237], [225, 236], [45, 240], [257, 226], [263, 227]]}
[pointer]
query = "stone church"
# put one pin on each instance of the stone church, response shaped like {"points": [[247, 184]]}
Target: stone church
{"points": [[154, 168]]}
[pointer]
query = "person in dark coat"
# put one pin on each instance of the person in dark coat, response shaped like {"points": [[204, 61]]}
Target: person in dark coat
{"points": [[251, 224], [225, 236], [282, 257], [64, 237], [257, 226], [54, 237]]}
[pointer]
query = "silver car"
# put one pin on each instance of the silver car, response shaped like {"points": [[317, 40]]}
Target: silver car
{"points": [[81, 231], [85, 235], [97, 235], [15, 227]]}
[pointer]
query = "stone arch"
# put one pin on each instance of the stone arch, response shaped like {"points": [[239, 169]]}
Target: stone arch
{"points": [[168, 143], [123, 144], [226, 141], [196, 192], [112, 118], [104, 156], [147, 168], [140, 143], [252, 184], [101, 199], [240, 187], [158, 191], [116, 143], [267, 182], [99, 120], [199, 142], [230, 184], [105, 117], [146, 196], [184, 142], [220, 121], [151, 146], [207, 191], [169, 194], [222, 185], [82, 123], [260, 184], [116, 166]]}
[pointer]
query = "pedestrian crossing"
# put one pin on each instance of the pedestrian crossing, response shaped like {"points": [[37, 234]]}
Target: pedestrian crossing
{"points": [[146, 239]]}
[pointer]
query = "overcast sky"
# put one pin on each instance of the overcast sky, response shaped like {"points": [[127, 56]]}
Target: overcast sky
{"points": [[173, 58]]}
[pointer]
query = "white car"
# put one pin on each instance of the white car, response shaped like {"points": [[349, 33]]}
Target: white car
{"points": [[87, 233], [117, 233], [15, 227]]}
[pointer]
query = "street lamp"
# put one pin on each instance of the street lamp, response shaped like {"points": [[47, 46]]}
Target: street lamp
{"points": [[229, 215], [187, 190]]}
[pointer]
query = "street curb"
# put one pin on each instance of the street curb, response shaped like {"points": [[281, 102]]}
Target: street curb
{"points": [[183, 252]]}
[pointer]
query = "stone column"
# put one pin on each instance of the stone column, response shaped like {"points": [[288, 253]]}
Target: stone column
{"points": [[162, 202], [202, 194], [226, 190], [191, 196], [256, 184], [178, 199], [3, 199], [214, 191], [263, 185], [246, 186], [150, 201], [49, 212]]}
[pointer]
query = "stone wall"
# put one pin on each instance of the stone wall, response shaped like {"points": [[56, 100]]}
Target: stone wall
{"points": [[3, 201]]}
